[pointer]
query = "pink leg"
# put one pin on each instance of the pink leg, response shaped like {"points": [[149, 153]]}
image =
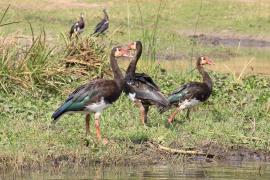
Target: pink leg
{"points": [[142, 110], [98, 132], [171, 118]]}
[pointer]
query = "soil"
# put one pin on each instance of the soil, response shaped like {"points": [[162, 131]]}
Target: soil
{"points": [[226, 39], [236, 153], [231, 41], [145, 153]]}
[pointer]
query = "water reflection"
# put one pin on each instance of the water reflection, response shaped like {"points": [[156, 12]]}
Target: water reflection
{"points": [[251, 170]]}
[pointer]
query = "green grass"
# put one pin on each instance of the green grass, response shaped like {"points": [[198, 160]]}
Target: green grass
{"points": [[27, 136], [162, 31]]}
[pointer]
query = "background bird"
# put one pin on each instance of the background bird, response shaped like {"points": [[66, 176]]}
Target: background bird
{"points": [[103, 25], [77, 28], [193, 93]]}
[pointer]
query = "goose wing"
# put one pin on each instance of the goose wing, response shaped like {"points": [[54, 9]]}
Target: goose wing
{"points": [[84, 95], [73, 28], [146, 79], [145, 89], [193, 90], [101, 26]]}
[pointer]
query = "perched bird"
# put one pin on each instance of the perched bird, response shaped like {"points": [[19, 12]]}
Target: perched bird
{"points": [[103, 25], [96, 95], [140, 87], [193, 93], [77, 27]]}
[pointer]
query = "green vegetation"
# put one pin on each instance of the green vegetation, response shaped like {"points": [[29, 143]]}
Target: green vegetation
{"points": [[236, 114], [34, 80], [163, 26]]}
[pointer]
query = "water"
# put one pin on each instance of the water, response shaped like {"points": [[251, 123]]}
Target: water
{"points": [[252, 170]]}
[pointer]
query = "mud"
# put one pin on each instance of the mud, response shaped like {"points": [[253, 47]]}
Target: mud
{"points": [[143, 154], [220, 153], [236, 153], [230, 41], [225, 40]]}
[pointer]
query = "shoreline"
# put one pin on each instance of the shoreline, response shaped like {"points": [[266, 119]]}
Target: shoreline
{"points": [[146, 153]]}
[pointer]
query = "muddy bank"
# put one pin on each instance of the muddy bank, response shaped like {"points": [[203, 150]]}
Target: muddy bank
{"points": [[182, 56], [213, 152], [216, 40], [231, 41], [146, 153]]}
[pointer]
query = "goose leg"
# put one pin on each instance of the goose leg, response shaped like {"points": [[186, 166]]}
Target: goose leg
{"points": [[142, 110], [76, 34], [87, 125], [171, 118], [146, 109], [188, 113], [98, 133]]}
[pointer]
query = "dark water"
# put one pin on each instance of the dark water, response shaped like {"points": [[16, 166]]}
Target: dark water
{"points": [[252, 170]]}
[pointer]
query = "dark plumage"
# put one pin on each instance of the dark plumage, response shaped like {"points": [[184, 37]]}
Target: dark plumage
{"points": [[87, 94], [77, 27], [96, 95], [193, 93], [194, 90], [140, 87], [103, 25]]}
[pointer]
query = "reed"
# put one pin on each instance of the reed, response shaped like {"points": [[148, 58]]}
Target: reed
{"points": [[149, 37]]}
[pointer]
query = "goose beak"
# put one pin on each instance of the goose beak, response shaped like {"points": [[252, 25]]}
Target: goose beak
{"points": [[126, 52], [132, 46], [210, 62]]}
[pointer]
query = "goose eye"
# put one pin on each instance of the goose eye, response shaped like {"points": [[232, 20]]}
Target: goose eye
{"points": [[117, 52], [134, 45]]}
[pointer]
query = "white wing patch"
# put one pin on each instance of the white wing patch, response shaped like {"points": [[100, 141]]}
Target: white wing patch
{"points": [[189, 103], [132, 96], [80, 30], [98, 107]]}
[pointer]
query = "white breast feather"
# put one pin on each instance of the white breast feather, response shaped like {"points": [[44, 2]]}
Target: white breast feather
{"points": [[189, 103], [98, 107], [132, 96]]}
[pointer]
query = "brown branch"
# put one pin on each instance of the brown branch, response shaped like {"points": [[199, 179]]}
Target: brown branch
{"points": [[177, 151]]}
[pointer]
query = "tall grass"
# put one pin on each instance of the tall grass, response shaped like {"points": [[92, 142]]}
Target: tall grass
{"points": [[3, 16], [37, 66], [150, 37], [29, 67], [33, 65]]}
